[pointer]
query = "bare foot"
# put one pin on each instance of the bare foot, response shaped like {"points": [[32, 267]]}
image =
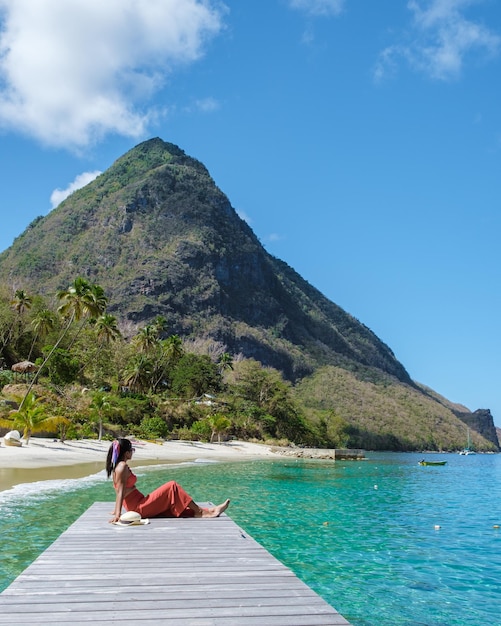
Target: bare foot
{"points": [[216, 510]]}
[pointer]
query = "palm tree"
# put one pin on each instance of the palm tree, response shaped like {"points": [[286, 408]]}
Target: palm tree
{"points": [[173, 348], [225, 362], [43, 322], [218, 423], [80, 301], [159, 324], [21, 301], [107, 329], [84, 302], [147, 338], [169, 352], [32, 417], [137, 373], [100, 404], [99, 301]]}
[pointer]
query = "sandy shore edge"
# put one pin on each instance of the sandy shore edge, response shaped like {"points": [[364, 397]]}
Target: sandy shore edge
{"points": [[41, 453], [48, 457]]}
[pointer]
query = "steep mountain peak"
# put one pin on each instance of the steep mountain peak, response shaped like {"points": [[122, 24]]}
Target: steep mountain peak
{"points": [[149, 155], [160, 237]]}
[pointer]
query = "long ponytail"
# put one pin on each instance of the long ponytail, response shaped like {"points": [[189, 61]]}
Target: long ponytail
{"points": [[116, 454]]}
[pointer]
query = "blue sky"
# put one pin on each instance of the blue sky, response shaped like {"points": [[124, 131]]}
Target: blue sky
{"points": [[360, 139]]}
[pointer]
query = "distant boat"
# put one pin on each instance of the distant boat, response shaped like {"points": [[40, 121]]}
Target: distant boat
{"points": [[432, 462], [468, 450]]}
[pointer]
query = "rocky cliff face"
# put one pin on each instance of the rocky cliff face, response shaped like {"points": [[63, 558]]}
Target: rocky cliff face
{"points": [[482, 422]]}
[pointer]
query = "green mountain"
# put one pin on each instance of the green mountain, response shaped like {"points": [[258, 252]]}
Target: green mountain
{"points": [[161, 239]]}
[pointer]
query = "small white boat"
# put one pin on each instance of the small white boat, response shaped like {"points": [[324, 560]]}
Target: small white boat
{"points": [[468, 450]]}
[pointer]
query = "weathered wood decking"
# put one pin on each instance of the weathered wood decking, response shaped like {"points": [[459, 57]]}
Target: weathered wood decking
{"points": [[196, 572]]}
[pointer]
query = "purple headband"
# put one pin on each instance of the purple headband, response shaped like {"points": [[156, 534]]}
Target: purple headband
{"points": [[116, 452]]}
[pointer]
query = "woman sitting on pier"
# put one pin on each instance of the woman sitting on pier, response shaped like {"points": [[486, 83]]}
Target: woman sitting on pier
{"points": [[169, 500]]}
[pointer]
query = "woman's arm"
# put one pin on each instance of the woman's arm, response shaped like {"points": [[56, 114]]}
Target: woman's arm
{"points": [[120, 480]]}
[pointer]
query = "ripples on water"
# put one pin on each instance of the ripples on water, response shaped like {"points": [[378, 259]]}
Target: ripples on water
{"points": [[362, 534]]}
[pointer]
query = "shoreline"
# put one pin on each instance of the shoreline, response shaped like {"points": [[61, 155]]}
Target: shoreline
{"points": [[46, 459]]}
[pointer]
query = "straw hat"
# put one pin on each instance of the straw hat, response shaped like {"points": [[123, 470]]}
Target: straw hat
{"points": [[131, 518]]}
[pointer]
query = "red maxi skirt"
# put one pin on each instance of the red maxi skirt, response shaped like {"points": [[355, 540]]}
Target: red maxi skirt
{"points": [[169, 500]]}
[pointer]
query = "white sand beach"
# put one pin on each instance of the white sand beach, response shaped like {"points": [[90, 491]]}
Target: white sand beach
{"points": [[52, 453], [75, 458]]}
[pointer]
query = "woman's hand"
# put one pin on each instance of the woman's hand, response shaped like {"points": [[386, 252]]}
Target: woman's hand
{"points": [[114, 519]]}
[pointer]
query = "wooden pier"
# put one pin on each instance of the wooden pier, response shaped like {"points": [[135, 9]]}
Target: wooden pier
{"points": [[186, 572]]}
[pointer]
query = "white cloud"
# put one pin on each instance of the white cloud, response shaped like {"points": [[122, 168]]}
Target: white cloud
{"points": [[206, 105], [202, 105], [72, 71], [58, 195], [387, 62], [318, 7], [441, 39]]}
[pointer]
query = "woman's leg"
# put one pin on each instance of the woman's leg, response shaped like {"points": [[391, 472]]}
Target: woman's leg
{"points": [[169, 500], [214, 511]]}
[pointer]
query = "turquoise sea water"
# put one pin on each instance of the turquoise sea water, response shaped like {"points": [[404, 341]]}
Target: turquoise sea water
{"points": [[385, 541]]}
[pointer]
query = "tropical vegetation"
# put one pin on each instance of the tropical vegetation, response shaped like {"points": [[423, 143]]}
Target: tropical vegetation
{"points": [[95, 380]]}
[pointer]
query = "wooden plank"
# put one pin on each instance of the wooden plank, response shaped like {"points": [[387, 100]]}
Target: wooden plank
{"points": [[189, 572]]}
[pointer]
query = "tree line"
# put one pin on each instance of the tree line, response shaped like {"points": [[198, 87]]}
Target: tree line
{"points": [[94, 376]]}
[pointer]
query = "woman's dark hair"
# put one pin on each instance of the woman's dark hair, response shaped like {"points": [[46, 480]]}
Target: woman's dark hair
{"points": [[116, 454]]}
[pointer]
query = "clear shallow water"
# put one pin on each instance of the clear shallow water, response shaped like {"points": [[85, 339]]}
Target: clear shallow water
{"points": [[362, 534]]}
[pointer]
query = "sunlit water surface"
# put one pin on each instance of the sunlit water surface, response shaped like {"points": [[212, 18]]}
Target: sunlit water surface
{"points": [[385, 541]]}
